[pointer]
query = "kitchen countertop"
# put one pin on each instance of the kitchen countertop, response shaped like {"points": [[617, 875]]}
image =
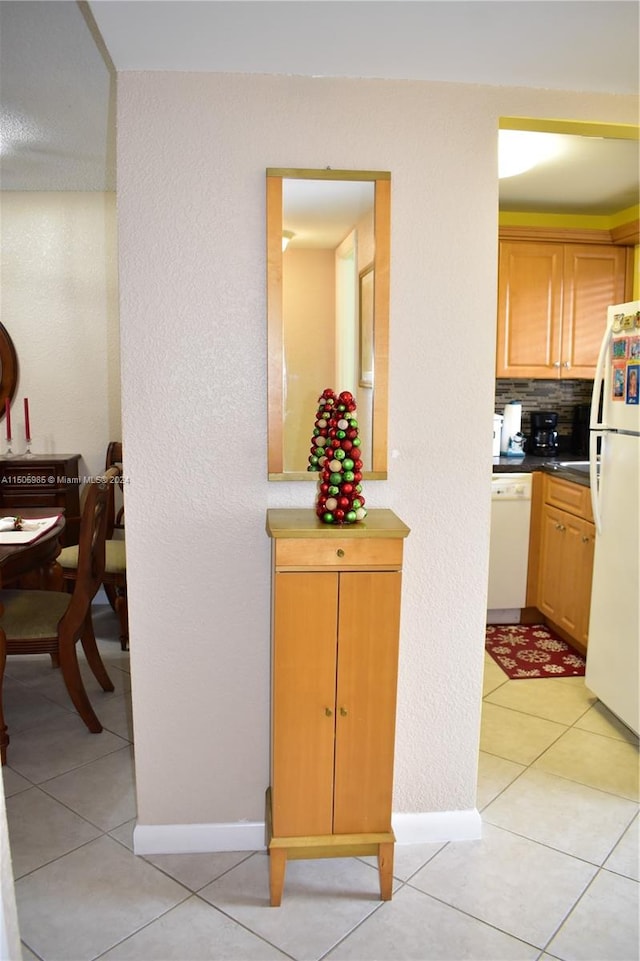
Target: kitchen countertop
{"points": [[530, 463]]}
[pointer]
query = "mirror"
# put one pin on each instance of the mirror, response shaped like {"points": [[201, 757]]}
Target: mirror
{"points": [[8, 368], [328, 234]]}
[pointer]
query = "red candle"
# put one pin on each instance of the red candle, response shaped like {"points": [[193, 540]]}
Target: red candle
{"points": [[27, 426], [7, 414]]}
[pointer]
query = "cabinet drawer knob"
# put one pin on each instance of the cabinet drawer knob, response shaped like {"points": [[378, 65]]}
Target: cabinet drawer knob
{"points": [[585, 538], [343, 712], [328, 711], [340, 552]]}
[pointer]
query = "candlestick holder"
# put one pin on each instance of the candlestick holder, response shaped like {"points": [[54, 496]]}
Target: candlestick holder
{"points": [[29, 452], [7, 452]]}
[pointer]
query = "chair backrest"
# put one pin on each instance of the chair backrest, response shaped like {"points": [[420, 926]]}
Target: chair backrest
{"points": [[91, 549], [116, 516]]}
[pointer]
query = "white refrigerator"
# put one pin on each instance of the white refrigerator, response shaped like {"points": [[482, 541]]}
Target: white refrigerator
{"points": [[612, 671]]}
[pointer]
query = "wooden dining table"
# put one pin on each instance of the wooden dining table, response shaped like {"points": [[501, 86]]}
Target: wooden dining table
{"points": [[34, 565]]}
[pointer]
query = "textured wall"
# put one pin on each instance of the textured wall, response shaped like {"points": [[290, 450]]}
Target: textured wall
{"points": [[59, 304], [193, 150]]}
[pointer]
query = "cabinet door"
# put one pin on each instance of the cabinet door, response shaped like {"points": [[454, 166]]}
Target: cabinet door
{"points": [[552, 542], [369, 622], [594, 278], [529, 309], [584, 563], [303, 702], [566, 570]]}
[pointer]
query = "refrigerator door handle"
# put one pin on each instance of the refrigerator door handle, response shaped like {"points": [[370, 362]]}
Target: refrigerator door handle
{"points": [[598, 382], [595, 480]]}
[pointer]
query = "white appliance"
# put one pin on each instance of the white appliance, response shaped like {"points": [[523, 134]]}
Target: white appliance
{"points": [[497, 433], [614, 626], [509, 547], [512, 439]]}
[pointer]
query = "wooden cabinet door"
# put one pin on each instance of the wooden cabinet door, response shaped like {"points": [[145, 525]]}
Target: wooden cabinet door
{"points": [[303, 702], [368, 632], [529, 309], [593, 278], [550, 599], [566, 571], [584, 562]]}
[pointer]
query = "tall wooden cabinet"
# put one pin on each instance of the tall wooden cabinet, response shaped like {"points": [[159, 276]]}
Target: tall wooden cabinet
{"points": [[335, 634], [552, 306]]}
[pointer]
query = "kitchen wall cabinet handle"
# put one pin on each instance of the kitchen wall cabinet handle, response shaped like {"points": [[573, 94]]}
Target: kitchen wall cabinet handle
{"points": [[340, 552], [560, 527], [343, 712], [585, 538], [556, 363], [566, 364], [328, 712]]}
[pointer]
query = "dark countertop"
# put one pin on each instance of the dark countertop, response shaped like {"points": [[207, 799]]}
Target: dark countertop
{"points": [[530, 463]]}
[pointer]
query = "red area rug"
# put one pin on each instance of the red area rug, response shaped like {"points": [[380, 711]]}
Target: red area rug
{"points": [[532, 650]]}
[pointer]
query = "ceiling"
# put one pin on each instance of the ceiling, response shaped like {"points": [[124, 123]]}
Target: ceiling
{"points": [[58, 63]]}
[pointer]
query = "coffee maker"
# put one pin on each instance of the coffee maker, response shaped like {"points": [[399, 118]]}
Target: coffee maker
{"points": [[544, 433]]}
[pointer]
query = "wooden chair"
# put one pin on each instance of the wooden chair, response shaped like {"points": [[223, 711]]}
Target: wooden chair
{"points": [[52, 622], [115, 570]]}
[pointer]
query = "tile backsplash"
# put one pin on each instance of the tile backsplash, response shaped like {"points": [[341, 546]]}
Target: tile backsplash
{"points": [[559, 395]]}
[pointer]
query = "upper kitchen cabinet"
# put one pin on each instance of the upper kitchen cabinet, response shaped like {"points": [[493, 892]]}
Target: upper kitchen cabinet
{"points": [[552, 305]]}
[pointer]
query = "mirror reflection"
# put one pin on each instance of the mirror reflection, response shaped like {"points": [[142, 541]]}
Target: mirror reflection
{"points": [[327, 234]]}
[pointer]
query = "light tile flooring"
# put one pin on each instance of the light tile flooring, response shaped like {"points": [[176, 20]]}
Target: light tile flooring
{"points": [[554, 876]]}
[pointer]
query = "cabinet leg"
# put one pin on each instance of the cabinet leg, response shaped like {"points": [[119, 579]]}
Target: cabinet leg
{"points": [[277, 868], [385, 870]]}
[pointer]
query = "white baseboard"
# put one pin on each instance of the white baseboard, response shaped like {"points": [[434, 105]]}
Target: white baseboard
{"points": [[198, 838], [501, 615], [430, 826], [418, 828]]}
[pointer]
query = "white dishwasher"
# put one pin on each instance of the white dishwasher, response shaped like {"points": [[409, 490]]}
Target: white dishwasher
{"points": [[509, 547]]}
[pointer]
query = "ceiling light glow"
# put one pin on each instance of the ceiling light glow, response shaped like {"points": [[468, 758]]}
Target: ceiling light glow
{"points": [[522, 150]]}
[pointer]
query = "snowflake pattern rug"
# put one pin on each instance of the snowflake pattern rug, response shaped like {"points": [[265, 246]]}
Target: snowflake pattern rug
{"points": [[532, 650]]}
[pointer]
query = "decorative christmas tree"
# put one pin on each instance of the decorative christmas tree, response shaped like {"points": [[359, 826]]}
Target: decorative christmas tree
{"points": [[335, 452]]}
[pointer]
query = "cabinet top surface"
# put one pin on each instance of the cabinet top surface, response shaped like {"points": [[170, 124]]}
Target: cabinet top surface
{"points": [[304, 522], [33, 459]]}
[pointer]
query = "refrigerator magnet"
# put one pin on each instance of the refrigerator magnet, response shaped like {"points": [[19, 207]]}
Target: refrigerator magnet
{"points": [[632, 383], [617, 381], [616, 325], [634, 348], [619, 348]]}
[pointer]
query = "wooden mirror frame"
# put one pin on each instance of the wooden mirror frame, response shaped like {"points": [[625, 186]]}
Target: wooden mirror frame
{"points": [[8, 368], [275, 345]]}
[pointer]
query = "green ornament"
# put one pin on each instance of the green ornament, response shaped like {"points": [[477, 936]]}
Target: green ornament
{"points": [[348, 475], [356, 503], [340, 434], [333, 490], [350, 517], [328, 518], [335, 478], [347, 463], [341, 455], [356, 441]]}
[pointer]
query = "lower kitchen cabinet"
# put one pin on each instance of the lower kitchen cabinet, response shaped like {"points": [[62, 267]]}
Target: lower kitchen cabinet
{"points": [[567, 540], [335, 635]]}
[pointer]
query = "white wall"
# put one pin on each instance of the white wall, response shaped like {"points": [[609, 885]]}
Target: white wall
{"points": [[192, 155], [59, 305]]}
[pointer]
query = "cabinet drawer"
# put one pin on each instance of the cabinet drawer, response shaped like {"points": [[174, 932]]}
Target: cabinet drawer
{"points": [[338, 553], [574, 498]]}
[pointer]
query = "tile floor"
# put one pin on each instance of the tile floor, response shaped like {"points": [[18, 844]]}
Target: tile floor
{"points": [[554, 876]]}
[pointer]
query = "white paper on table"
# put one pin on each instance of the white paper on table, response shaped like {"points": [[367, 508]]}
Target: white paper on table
{"points": [[32, 529]]}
